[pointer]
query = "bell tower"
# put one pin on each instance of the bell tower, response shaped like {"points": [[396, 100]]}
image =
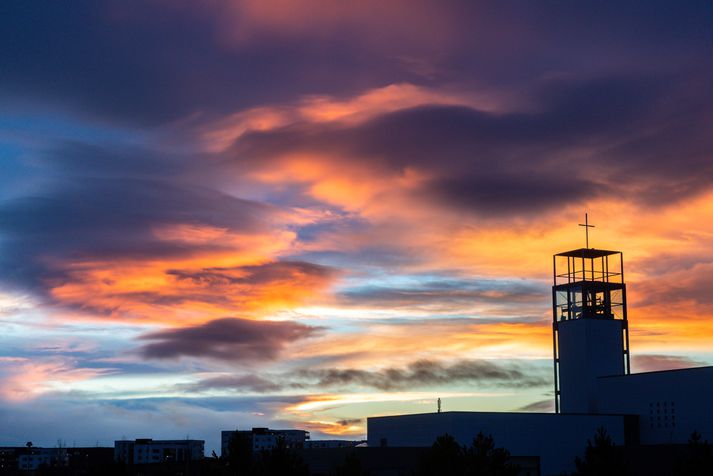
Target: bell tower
{"points": [[590, 331]]}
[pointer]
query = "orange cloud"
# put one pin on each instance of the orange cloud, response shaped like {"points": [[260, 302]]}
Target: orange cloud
{"points": [[392, 98], [352, 428], [228, 274], [218, 135], [157, 292], [382, 345]]}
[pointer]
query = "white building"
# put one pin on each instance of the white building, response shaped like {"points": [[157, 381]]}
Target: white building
{"points": [[593, 384], [146, 450]]}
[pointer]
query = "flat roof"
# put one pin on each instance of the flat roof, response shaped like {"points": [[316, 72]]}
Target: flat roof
{"points": [[587, 253], [507, 414], [667, 371]]}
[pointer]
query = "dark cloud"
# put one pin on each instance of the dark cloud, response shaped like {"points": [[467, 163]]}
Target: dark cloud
{"points": [[605, 118], [434, 291], [159, 61], [568, 112], [106, 204], [258, 275], [588, 139], [350, 422], [228, 339], [111, 218], [109, 203], [419, 374], [513, 194], [653, 362], [427, 373], [156, 62]]}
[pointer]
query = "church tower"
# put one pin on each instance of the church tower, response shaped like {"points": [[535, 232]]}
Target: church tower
{"points": [[589, 325]]}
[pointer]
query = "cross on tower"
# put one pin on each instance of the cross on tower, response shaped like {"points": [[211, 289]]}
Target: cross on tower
{"points": [[586, 226]]}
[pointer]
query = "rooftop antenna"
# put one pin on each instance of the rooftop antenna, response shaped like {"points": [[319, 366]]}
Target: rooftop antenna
{"points": [[439, 404], [586, 226]]}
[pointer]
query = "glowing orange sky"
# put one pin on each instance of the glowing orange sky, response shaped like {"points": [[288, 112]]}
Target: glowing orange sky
{"points": [[261, 213]]}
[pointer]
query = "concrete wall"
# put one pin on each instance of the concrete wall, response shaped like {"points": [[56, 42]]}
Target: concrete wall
{"points": [[557, 439], [671, 404], [588, 348]]}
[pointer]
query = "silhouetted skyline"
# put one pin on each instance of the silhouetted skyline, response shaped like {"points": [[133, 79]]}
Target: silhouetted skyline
{"points": [[303, 213]]}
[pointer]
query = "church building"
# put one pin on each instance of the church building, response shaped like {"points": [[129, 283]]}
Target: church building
{"points": [[593, 383]]}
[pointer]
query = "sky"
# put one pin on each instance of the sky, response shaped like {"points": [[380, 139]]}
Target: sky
{"points": [[302, 213]]}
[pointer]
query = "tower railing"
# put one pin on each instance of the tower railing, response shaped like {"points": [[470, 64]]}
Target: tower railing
{"points": [[588, 264]]}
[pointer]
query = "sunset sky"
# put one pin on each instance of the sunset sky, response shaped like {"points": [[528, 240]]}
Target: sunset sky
{"points": [[300, 213]]}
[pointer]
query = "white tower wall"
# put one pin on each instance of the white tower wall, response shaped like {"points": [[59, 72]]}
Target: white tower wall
{"points": [[588, 348]]}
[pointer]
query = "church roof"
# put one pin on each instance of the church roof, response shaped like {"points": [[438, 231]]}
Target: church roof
{"points": [[587, 253]]}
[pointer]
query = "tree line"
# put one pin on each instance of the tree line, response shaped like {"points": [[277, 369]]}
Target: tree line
{"points": [[445, 457]]}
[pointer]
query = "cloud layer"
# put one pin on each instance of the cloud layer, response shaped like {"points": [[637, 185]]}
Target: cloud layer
{"points": [[226, 339], [416, 375], [336, 209]]}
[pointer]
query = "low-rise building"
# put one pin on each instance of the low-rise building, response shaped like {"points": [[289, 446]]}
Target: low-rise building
{"points": [[147, 450], [263, 439], [9, 457], [33, 459], [313, 444]]}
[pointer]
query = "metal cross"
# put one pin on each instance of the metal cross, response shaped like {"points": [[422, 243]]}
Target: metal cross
{"points": [[586, 226]]}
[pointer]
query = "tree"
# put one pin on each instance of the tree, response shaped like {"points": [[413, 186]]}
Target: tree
{"points": [[281, 461], [240, 455], [698, 460], [446, 457], [484, 459], [601, 458], [350, 467]]}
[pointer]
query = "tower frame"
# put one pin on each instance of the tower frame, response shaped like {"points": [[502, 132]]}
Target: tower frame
{"points": [[588, 284]]}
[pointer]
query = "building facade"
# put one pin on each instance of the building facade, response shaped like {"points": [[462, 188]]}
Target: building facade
{"points": [[38, 458], [148, 451], [263, 439], [670, 404], [556, 439]]}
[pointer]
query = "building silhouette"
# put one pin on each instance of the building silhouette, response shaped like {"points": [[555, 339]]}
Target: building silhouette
{"points": [[594, 386], [149, 451], [263, 439]]}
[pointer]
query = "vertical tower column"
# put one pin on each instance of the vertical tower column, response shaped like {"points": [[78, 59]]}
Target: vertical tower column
{"points": [[590, 332]]}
